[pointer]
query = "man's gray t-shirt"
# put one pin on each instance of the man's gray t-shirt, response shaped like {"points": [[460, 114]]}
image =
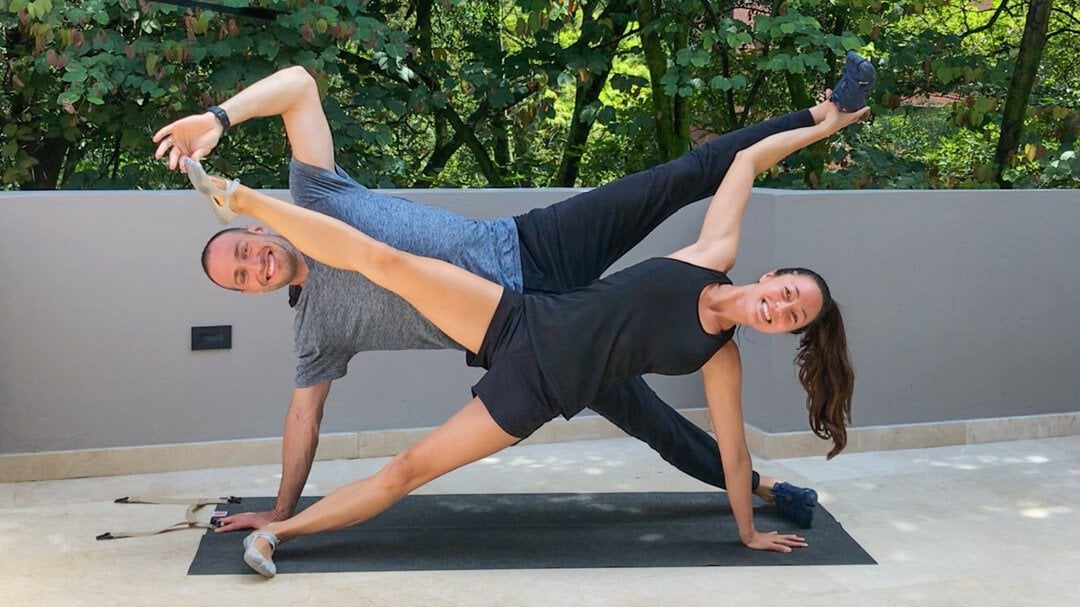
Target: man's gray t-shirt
{"points": [[341, 313]]}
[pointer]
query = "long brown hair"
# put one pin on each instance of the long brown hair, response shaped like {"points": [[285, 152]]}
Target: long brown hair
{"points": [[825, 371]]}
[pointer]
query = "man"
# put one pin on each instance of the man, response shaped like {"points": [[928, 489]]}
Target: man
{"points": [[555, 249]]}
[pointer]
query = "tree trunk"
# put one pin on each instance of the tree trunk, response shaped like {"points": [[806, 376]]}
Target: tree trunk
{"points": [[798, 90], [500, 123], [443, 149], [586, 94], [500, 144], [48, 152], [1032, 45], [731, 117], [672, 130], [570, 164]]}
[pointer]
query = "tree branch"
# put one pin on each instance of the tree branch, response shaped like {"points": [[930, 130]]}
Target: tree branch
{"points": [[438, 159], [725, 63], [988, 24], [1064, 30], [1068, 15], [115, 160], [490, 170]]}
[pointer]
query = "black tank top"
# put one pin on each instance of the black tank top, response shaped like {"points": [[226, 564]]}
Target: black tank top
{"points": [[643, 319]]}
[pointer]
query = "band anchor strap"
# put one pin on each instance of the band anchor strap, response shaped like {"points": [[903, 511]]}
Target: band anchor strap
{"points": [[194, 504]]}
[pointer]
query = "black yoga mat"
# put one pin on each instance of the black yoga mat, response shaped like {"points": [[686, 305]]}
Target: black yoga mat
{"points": [[537, 531]]}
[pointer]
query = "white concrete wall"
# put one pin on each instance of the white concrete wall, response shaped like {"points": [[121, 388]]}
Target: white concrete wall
{"points": [[960, 305], [100, 290]]}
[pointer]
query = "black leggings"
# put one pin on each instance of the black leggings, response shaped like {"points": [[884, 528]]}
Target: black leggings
{"points": [[571, 243]]}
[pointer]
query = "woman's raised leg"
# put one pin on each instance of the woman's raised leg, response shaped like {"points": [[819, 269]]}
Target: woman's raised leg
{"points": [[471, 434], [458, 302]]}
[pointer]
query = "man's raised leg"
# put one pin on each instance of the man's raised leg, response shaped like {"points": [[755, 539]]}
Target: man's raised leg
{"points": [[637, 410], [571, 243]]}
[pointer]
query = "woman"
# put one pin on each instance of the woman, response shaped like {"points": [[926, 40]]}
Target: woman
{"points": [[668, 315]]}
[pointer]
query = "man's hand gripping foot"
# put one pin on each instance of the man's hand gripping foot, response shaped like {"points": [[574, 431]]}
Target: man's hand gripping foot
{"points": [[218, 189]]}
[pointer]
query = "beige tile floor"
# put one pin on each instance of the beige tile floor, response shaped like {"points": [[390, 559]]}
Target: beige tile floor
{"points": [[976, 525]]}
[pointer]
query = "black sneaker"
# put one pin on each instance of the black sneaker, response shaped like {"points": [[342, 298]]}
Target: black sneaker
{"points": [[796, 503], [858, 78]]}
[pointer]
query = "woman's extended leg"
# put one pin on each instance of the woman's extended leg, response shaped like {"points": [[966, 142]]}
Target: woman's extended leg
{"points": [[471, 434], [456, 301]]}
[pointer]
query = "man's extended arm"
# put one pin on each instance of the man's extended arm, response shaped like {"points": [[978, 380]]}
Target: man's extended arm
{"points": [[301, 438], [290, 93]]}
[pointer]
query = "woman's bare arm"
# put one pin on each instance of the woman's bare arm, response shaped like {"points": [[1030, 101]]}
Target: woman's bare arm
{"points": [[723, 391], [718, 242]]}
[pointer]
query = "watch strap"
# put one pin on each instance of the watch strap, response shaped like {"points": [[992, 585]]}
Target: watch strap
{"points": [[222, 117]]}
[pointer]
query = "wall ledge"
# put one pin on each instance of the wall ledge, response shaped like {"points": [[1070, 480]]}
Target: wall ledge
{"points": [[54, 465]]}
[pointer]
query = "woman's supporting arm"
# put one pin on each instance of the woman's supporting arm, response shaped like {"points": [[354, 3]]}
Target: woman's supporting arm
{"points": [[723, 391]]}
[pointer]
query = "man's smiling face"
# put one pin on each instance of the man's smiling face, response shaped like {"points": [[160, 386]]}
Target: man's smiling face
{"points": [[251, 260]]}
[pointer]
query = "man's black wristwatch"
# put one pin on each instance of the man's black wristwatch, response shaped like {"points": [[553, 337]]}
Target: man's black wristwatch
{"points": [[222, 117]]}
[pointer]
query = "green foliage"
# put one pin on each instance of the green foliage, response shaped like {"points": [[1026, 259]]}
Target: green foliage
{"points": [[530, 92], [1062, 171]]}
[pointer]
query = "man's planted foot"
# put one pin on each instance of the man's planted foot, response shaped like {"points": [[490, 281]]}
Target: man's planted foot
{"points": [[797, 504]]}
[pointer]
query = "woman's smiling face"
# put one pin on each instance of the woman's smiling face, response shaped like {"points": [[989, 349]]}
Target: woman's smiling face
{"points": [[782, 303]]}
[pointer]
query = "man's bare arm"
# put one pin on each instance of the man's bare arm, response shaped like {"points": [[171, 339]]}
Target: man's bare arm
{"points": [[300, 440], [290, 93]]}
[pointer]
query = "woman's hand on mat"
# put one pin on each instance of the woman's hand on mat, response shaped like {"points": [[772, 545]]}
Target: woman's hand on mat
{"points": [[775, 542], [246, 520], [194, 136]]}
